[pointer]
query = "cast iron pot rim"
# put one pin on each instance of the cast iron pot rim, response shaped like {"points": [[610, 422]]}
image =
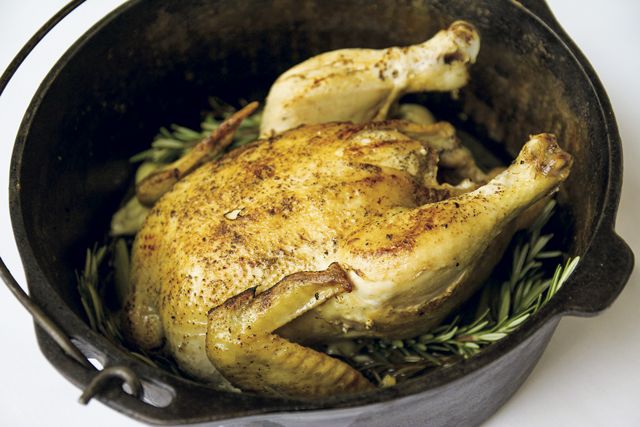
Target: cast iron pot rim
{"points": [[565, 302]]}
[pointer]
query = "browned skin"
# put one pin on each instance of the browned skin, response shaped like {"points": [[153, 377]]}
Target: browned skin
{"points": [[248, 339], [150, 189], [364, 196]]}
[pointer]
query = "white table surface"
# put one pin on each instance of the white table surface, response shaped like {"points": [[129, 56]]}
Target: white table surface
{"points": [[589, 376]]}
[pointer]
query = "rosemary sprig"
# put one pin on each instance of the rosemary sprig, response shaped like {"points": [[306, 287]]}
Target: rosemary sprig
{"points": [[92, 294], [501, 309], [173, 142], [94, 289]]}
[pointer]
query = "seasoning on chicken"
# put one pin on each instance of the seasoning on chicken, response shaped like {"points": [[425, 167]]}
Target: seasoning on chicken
{"points": [[323, 232]]}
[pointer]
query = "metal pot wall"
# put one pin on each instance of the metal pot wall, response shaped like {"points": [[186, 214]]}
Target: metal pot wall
{"points": [[141, 68]]}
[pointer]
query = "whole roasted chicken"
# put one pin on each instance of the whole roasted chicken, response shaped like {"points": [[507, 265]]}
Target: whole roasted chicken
{"points": [[323, 232]]}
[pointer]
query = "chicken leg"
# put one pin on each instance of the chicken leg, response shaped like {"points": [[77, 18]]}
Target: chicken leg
{"points": [[450, 247], [359, 85]]}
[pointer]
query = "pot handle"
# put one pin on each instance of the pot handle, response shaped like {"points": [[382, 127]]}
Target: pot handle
{"points": [[48, 325], [606, 268], [608, 263], [40, 317], [33, 42], [70, 349]]}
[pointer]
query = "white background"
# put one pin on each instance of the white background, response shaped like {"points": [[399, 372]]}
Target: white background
{"points": [[590, 374]]}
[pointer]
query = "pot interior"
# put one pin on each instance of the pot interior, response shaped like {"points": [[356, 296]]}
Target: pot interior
{"points": [[153, 63]]}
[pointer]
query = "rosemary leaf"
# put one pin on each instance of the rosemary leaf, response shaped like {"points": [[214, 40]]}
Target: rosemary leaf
{"points": [[492, 336], [570, 266], [167, 143], [537, 246], [141, 156], [549, 254], [504, 303], [477, 328], [121, 270], [446, 336], [553, 286], [514, 323]]}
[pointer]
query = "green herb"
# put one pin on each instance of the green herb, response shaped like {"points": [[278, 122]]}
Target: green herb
{"points": [[173, 142], [94, 289], [501, 309], [92, 293]]}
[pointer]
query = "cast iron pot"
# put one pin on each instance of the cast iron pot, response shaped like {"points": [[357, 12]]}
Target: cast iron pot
{"points": [[150, 63]]}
